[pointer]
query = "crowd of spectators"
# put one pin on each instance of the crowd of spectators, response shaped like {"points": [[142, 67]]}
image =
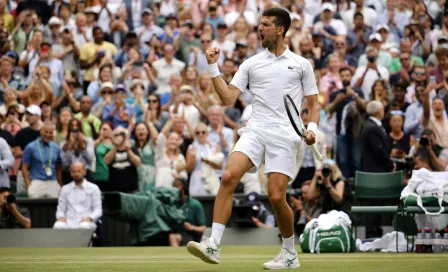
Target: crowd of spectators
{"points": [[121, 86]]}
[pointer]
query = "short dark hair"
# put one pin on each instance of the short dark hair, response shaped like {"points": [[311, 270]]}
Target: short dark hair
{"points": [[358, 14], [4, 189], [345, 69], [97, 28], [282, 18]]}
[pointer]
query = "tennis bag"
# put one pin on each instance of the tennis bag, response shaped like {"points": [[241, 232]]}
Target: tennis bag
{"points": [[426, 189], [321, 239]]}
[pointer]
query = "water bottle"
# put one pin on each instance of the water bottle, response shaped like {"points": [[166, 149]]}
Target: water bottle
{"points": [[437, 245], [428, 240], [445, 241], [419, 246]]}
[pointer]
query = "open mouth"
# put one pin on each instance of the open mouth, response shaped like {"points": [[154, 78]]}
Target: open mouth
{"points": [[261, 37]]}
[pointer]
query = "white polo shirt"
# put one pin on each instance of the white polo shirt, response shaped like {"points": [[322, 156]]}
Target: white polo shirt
{"points": [[268, 78], [164, 73]]}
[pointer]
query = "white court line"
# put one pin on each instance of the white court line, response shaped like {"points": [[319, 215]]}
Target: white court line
{"points": [[183, 261]]}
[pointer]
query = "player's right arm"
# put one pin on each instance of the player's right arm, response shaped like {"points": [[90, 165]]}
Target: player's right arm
{"points": [[227, 93]]}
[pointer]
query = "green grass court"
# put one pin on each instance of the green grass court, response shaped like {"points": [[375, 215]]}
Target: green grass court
{"points": [[234, 258]]}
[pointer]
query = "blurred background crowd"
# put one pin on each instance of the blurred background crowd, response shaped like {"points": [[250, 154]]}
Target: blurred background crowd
{"points": [[121, 86]]}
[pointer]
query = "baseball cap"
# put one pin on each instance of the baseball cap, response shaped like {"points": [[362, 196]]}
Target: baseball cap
{"points": [[186, 88], [295, 16], [147, 10], [34, 110], [253, 198], [54, 21], [11, 54], [241, 43], [375, 36], [120, 88], [221, 25], [107, 85], [382, 26], [328, 6], [171, 16], [188, 23]]}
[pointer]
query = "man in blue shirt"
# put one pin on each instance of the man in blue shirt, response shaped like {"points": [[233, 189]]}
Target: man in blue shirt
{"points": [[42, 165]]}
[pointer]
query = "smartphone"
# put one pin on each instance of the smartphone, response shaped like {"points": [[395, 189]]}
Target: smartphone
{"points": [[138, 63], [432, 79]]}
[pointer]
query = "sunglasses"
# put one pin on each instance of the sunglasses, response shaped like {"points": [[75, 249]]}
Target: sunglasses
{"points": [[201, 132], [206, 41], [419, 73], [403, 59], [107, 92], [152, 101]]}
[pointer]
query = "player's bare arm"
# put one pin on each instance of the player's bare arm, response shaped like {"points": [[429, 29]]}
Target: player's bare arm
{"points": [[227, 93], [313, 109]]}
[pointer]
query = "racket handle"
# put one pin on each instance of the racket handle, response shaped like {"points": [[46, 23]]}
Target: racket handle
{"points": [[316, 152]]}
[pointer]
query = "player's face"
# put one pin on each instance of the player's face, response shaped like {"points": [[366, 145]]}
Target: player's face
{"points": [[268, 31]]}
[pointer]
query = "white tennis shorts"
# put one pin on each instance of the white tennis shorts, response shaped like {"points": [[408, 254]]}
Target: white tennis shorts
{"points": [[275, 146]]}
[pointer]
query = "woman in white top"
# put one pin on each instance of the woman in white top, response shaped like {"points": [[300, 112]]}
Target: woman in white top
{"points": [[198, 154], [170, 163]]}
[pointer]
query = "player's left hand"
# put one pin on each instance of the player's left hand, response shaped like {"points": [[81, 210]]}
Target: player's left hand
{"points": [[310, 138]]}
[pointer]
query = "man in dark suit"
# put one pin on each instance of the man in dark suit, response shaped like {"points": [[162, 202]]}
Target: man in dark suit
{"points": [[374, 141], [375, 158]]}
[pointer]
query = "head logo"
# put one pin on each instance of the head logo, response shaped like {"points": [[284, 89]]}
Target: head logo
{"points": [[329, 233]]}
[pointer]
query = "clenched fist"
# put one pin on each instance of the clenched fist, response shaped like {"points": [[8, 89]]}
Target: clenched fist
{"points": [[212, 55]]}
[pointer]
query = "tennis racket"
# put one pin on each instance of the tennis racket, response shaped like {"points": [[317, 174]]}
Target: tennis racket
{"points": [[297, 124]]}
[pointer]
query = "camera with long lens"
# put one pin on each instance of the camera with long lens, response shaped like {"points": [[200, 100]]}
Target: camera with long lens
{"points": [[10, 199], [326, 171]]}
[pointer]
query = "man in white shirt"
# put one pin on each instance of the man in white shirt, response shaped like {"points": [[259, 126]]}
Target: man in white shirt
{"points": [[147, 30], [79, 203], [226, 46], [365, 76], [219, 134], [81, 34], [370, 15], [197, 56], [268, 136], [184, 106], [327, 20], [165, 68], [46, 59]]}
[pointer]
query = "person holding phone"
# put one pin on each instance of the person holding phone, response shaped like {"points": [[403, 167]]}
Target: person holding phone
{"points": [[400, 142], [76, 147], [123, 160], [46, 59]]}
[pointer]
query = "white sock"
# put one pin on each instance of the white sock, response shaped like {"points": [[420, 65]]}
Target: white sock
{"points": [[288, 243], [217, 231]]}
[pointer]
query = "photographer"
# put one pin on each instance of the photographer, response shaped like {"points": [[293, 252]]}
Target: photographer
{"points": [[194, 225], [305, 207], [10, 215], [437, 156], [262, 217], [329, 184]]}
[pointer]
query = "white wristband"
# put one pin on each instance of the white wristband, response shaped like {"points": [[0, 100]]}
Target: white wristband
{"points": [[312, 127], [213, 70]]}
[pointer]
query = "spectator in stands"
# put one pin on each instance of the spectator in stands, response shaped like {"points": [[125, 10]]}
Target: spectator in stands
{"points": [[442, 58], [170, 163], [365, 76], [412, 120], [148, 29], [264, 218], [166, 67], [205, 95], [67, 51], [225, 45], [197, 56], [399, 141], [374, 141], [10, 100], [8, 79], [24, 137], [71, 93], [6, 162], [384, 58], [107, 96], [407, 60], [76, 147], [38, 91], [399, 101], [328, 26], [420, 46], [220, 134], [117, 111], [123, 161], [437, 122], [329, 184], [228, 70], [184, 106], [90, 123], [194, 225], [144, 135], [368, 13], [203, 159], [358, 37], [79, 204], [379, 92], [53, 31], [154, 113], [63, 120], [42, 165], [349, 105], [10, 215], [305, 208], [91, 54], [12, 122], [46, 59], [240, 52], [105, 75], [102, 145], [23, 31], [331, 81]]}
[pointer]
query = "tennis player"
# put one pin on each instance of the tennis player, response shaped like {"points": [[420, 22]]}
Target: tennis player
{"points": [[268, 136]]}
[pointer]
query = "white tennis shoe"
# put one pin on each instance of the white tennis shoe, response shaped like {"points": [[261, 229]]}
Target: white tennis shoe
{"points": [[286, 259], [206, 250]]}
